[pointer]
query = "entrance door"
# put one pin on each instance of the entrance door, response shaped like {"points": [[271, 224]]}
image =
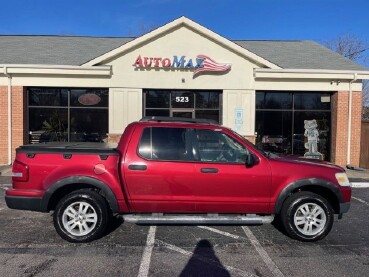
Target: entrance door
{"points": [[182, 113]]}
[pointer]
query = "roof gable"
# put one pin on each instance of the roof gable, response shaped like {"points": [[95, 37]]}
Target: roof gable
{"points": [[180, 22]]}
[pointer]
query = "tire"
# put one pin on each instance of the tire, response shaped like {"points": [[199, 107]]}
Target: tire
{"points": [[307, 216], [81, 216]]}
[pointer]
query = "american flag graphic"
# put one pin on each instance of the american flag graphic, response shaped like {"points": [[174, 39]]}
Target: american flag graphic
{"points": [[211, 65]]}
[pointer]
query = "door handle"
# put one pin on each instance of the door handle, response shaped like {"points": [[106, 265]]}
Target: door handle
{"points": [[209, 170], [137, 167]]}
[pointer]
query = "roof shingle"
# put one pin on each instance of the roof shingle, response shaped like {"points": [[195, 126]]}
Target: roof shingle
{"points": [[75, 50]]}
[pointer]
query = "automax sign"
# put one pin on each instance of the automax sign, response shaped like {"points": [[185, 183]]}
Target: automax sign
{"points": [[199, 64]]}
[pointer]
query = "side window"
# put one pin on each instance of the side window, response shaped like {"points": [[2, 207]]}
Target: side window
{"points": [[167, 144], [214, 146]]}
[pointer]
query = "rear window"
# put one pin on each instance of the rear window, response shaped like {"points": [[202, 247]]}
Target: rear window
{"points": [[169, 144]]}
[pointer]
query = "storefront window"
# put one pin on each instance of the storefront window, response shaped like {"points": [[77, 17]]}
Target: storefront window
{"points": [[62, 114], [183, 103], [280, 120]]}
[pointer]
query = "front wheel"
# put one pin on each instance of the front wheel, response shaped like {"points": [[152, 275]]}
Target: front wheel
{"points": [[81, 216], [307, 216]]}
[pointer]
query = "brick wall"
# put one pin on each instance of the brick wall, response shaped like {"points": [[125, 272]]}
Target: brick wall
{"points": [[340, 112], [3, 125], [18, 121]]}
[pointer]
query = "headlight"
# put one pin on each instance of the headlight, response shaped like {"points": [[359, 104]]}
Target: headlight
{"points": [[343, 180]]}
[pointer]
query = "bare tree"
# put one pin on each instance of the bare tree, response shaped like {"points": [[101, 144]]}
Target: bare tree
{"points": [[355, 49], [142, 28]]}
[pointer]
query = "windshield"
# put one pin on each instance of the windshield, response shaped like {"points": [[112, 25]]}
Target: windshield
{"points": [[262, 152]]}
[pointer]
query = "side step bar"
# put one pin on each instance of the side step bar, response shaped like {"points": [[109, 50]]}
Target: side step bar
{"points": [[168, 219]]}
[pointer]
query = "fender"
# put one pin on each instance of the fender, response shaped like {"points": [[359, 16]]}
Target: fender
{"points": [[302, 183], [109, 195]]}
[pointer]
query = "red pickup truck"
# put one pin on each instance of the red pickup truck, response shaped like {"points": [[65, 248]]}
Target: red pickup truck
{"points": [[176, 171]]}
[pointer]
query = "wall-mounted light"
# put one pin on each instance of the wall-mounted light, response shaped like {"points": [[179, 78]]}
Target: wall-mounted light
{"points": [[337, 82]]}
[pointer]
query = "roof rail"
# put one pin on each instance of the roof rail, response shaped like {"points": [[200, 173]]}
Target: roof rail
{"points": [[178, 119]]}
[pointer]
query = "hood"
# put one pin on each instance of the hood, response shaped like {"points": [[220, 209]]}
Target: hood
{"points": [[309, 162]]}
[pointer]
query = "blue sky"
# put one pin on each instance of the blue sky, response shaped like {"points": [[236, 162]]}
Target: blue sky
{"points": [[317, 20]]}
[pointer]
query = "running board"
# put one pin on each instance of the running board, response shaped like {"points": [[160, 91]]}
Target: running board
{"points": [[251, 219]]}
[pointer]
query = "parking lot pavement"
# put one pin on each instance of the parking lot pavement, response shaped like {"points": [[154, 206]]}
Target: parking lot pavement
{"points": [[29, 246]]}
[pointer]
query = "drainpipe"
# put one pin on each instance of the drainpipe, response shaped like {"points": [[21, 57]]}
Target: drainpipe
{"points": [[349, 122], [9, 114]]}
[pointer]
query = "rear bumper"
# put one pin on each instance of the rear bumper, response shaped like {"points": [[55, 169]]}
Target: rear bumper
{"points": [[24, 203]]}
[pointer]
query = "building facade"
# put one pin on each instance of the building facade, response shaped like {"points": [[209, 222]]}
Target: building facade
{"points": [[55, 88]]}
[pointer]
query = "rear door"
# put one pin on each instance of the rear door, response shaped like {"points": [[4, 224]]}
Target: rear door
{"points": [[159, 170], [223, 182]]}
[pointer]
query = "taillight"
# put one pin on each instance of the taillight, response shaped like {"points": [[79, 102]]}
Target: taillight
{"points": [[19, 172]]}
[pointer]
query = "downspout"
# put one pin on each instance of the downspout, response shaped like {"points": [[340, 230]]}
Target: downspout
{"points": [[9, 114], [349, 123]]}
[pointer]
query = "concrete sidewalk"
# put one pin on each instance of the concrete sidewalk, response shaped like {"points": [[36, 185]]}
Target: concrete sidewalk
{"points": [[5, 170]]}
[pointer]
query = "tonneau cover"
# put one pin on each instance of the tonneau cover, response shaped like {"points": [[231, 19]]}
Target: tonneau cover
{"points": [[97, 148]]}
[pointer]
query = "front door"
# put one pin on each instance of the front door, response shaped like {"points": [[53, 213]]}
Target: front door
{"points": [[223, 182]]}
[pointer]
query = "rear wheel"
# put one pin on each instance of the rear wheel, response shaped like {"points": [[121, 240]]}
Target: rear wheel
{"points": [[307, 216], [81, 216]]}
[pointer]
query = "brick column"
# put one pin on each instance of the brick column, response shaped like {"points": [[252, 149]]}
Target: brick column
{"points": [[340, 110], [18, 121], [3, 124]]}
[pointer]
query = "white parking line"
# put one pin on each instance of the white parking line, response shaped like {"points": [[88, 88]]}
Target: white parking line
{"points": [[220, 232], [361, 200], [146, 256], [360, 184], [263, 254], [204, 259]]}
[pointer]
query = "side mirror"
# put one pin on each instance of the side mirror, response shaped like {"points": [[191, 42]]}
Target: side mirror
{"points": [[251, 160]]}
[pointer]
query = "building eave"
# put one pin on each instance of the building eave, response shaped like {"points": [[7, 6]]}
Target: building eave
{"points": [[267, 73], [44, 69]]}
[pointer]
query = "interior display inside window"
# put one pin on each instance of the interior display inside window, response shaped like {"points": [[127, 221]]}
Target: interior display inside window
{"points": [[63, 114], [280, 118]]}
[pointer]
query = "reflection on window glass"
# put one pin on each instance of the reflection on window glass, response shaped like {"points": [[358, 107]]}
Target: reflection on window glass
{"points": [[274, 100], [144, 146], [156, 112], [207, 100], [157, 99], [312, 101], [47, 97], [208, 114], [48, 125], [219, 147]]}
